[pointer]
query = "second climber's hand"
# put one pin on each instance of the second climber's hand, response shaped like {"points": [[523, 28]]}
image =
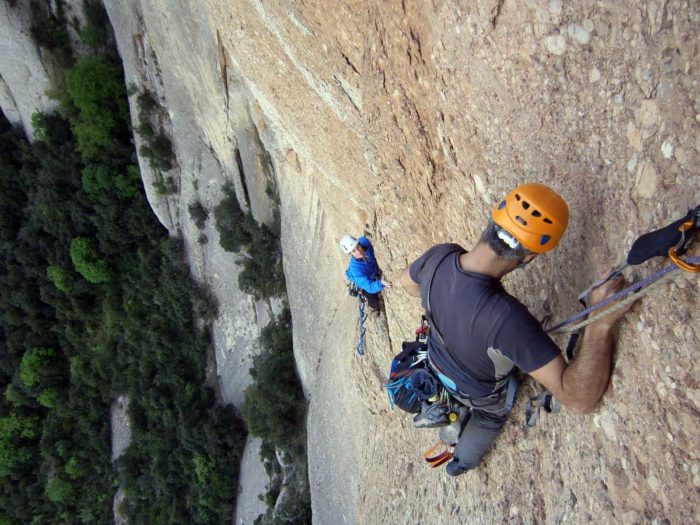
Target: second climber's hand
{"points": [[608, 289], [387, 284]]}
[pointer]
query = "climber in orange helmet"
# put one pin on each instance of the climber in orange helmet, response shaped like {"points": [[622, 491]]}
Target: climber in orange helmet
{"points": [[480, 334]]}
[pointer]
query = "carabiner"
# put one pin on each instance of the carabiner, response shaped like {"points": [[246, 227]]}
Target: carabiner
{"points": [[683, 244]]}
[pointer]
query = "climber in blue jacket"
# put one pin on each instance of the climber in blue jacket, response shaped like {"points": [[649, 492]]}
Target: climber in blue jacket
{"points": [[363, 269]]}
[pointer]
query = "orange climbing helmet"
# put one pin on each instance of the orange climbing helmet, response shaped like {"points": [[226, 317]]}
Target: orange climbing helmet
{"points": [[535, 215]]}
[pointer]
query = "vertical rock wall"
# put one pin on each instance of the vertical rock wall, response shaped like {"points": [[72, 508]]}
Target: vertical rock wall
{"points": [[24, 77], [409, 119]]}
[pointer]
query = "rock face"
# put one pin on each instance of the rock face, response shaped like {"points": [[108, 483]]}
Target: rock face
{"points": [[24, 78], [409, 120]]}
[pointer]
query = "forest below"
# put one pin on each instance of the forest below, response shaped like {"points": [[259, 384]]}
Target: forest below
{"points": [[97, 302]]}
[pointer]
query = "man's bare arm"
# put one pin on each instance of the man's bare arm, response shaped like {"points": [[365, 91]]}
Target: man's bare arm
{"points": [[411, 287], [581, 384]]}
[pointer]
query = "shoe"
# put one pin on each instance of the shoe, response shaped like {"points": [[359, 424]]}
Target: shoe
{"points": [[432, 415], [375, 312], [455, 469]]}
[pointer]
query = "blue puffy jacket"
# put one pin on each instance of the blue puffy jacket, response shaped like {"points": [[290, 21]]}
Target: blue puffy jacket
{"points": [[365, 272]]}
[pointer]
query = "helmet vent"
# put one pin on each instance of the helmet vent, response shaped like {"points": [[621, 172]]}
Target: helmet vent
{"points": [[526, 205], [548, 221], [544, 240], [521, 220], [517, 197], [536, 213]]}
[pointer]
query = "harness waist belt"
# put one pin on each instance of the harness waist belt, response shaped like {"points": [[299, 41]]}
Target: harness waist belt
{"points": [[510, 382]]}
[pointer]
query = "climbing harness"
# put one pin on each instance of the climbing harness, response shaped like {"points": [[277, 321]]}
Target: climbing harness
{"points": [[673, 241]]}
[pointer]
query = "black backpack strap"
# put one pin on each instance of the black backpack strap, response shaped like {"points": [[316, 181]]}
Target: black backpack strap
{"points": [[428, 309]]}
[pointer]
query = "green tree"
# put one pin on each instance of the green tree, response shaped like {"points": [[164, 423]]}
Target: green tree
{"points": [[198, 213], [95, 87], [60, 490], [38, 367], [274, 405], [16, 435], [88, 262], [59, 277], [97, 179]]}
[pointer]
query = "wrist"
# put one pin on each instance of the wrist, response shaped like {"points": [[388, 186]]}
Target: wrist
{"points": [[603, 325]]}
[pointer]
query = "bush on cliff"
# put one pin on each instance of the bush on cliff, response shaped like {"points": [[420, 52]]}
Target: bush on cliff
{"points": [[96, 104], [274, 407], [260, 256]]}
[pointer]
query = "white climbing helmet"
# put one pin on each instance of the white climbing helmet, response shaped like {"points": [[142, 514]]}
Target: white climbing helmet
{"points": [[348, 243]]}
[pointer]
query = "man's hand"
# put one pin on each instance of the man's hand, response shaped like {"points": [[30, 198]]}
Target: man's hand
{"points": [[605, 290], [386, 283], [580, 384]]}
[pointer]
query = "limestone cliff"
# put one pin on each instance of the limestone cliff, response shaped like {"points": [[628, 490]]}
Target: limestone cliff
{"points": [[408, 119]]}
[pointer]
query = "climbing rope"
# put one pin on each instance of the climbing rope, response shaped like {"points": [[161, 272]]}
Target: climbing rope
{"points": [[362, 317], [398, 323], [625, 297]]}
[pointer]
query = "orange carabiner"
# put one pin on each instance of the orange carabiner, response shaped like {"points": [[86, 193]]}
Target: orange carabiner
{"points": [[673, 254], [436, 459]]}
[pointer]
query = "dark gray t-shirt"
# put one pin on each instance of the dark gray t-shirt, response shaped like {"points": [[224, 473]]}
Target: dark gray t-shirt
{"points": [[487, 331]]}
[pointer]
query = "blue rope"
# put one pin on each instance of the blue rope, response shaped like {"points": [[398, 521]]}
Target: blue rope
{"points": [[361, 343]]}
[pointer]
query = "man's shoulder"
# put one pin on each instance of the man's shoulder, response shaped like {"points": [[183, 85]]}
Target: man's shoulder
{"points": [[432, 257], [439, 251]]}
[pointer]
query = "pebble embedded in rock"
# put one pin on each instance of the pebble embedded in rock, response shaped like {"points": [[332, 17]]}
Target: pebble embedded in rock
{"points": [[667, 148], [479, 185], [579, 33], [647, 179], [555, 44], [555, 7], [632, 163], [634, 136], [649, 113], [594, 75], [681, 155]]}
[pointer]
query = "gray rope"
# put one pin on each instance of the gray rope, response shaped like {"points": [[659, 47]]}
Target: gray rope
{"points": [[625, 297]]}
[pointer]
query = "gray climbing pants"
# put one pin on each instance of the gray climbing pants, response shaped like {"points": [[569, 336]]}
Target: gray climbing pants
{"points": [[488, 415]]}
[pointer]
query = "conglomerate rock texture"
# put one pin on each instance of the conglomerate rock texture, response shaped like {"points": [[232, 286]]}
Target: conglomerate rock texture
{"points": [[409, 120]]}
